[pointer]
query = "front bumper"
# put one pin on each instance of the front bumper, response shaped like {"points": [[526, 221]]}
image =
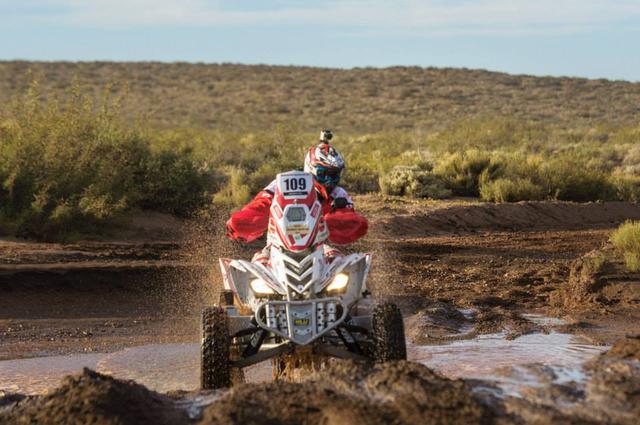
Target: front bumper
{"points": [[301, 322]]}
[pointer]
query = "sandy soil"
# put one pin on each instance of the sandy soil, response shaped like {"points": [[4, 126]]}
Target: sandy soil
{"points": [[433, 258]]}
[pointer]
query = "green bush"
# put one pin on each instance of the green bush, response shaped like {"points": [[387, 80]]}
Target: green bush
{"points": [[570, 179], [626, 240], [627, 187], [235, 192], [461, 171], [631, 160], [173, 182], [74, 165], [416, 181], [511, 190]]}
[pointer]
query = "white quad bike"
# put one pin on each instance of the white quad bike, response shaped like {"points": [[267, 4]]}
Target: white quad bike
{"points": [[301, 307]]}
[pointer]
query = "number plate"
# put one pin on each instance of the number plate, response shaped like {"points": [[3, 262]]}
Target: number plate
{"points": [[301, 322], [295, 185]]}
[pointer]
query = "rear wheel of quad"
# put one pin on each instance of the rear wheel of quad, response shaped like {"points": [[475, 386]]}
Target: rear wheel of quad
{"points": [[388, 334], [215, 349]]}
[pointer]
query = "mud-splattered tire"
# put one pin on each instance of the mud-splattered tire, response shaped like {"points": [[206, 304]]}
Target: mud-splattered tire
{"points": [[215, 362], [388, 334]]}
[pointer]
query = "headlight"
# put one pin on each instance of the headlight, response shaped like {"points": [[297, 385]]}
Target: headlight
{"points": [[338, 283], [260, 287]]}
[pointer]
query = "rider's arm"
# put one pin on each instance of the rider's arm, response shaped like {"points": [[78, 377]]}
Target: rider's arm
{"points": [[345, 224], [252, 220]]}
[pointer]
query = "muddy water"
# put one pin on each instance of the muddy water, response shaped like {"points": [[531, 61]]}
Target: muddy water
{"points": [[504, 362], [160, 367], [487, 355], [166, 367]]}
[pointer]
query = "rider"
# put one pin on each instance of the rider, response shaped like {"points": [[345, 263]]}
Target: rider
{"points": [[326, 164]]}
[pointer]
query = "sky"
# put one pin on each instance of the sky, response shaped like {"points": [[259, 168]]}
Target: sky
{"points": [[587, 38]]}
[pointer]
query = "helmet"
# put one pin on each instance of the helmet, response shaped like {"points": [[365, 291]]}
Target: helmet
{"points": [[324, 162]]}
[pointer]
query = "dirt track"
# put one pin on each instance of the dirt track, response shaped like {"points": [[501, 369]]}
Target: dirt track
{"points": [[500, 260]]}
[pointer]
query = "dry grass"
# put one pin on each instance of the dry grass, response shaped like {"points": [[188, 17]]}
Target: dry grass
{"points": [[351, 101], [626, 239]]}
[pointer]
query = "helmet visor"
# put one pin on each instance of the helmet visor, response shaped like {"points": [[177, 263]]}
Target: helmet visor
{"points": [[327, 176]]}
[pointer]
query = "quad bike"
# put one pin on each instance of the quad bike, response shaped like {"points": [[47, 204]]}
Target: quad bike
{"points": [[301, 307]]}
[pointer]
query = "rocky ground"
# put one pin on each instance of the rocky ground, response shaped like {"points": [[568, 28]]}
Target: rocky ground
{"points": [[433, 258]]}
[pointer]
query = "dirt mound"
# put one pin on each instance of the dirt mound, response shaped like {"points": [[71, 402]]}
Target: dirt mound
{"points": [[610, 395], [438, 321], [598, 279], [519, 216], [347, 393], [92, 398], [394, 393], [628, 348], [613, 391]]}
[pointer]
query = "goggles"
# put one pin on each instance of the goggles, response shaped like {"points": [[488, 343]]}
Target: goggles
{"points": [[327, 176]]}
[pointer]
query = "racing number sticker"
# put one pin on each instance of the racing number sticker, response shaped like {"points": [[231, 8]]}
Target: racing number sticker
{"points": [[295, 185]]}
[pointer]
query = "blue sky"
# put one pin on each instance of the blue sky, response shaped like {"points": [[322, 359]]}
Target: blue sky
{"points": [[590, 38]]}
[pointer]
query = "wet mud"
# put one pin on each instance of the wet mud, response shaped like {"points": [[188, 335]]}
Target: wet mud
{"points": [[606, 391], [508, 310]]}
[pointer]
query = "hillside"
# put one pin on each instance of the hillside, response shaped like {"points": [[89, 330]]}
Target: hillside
{"points": [[254, 97]]}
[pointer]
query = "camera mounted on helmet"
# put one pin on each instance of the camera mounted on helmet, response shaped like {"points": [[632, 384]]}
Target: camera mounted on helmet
{"points": [[326, 136]]}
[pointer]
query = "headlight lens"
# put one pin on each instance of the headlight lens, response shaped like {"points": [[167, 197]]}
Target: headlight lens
{"points": [[260, 287], [339, 283]]}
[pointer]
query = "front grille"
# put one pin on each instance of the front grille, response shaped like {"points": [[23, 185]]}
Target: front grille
{"points": [[276, 317], [326, 312]]}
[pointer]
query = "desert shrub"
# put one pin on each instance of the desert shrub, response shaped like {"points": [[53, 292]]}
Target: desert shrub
{"points": [[627, 187], [511, 190], [72, 165], [416, 181], [570, 179], [631, 161], [173, 182], [359, 178], [492, 133], [626, 135], [235, 191], [626, 240], [461, 171]]}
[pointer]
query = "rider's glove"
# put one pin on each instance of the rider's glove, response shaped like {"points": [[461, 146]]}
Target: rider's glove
{"points": [[340, 203]]}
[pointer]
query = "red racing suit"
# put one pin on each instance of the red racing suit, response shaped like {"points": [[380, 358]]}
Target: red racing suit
{"points": [[345, 225]]}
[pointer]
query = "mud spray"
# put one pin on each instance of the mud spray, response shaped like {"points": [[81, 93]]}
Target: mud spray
{"points": [[203, 244]]}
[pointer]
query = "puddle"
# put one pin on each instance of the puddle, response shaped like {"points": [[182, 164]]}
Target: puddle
{"points": [[162, 368], [542, 320], [168, 367], [159, 367], [36, 376], [194, 405], [498, 360]]}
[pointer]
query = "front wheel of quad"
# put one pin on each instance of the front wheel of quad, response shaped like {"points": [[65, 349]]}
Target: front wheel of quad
{"points": [[388, 334], [215, 362]]}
